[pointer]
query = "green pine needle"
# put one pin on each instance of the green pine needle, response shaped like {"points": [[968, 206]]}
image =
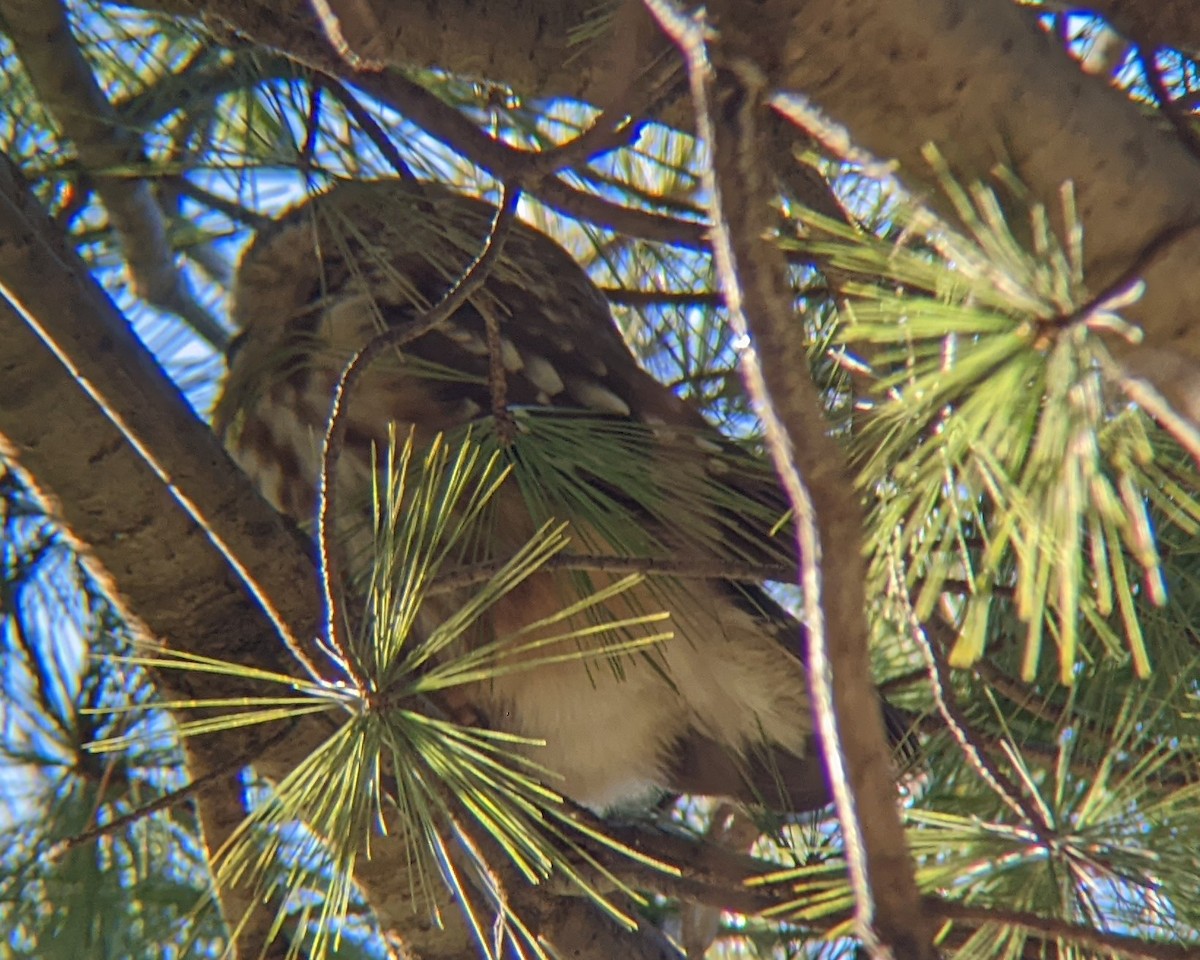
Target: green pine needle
{"points": [[395, 763], [998, 454]]}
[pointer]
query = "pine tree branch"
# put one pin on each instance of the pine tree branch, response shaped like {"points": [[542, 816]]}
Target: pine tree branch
{"points": [[733, 881], [1051, 929], [511, 165], [232, 767], [154, 558], [67, 88], [77, 460], [1081, 136], [81, 331], [753, 279], [903, 60]]}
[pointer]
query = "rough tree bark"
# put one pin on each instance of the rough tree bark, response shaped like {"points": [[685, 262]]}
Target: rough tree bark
{"points": [[975, 77], [60, 331], [154, 558]]}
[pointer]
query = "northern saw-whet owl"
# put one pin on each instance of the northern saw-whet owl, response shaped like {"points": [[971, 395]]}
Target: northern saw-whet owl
{"points": [[722, 707]]}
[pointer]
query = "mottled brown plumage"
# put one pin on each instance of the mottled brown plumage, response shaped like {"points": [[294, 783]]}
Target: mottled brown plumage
{"points": [[721, 708]]}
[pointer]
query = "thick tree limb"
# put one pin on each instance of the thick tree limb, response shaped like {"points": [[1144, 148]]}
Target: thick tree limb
{"points": [[1163, 23], [116, 523], [150, 556], [530, 45], [58, 329], [154, 558], [990, 89], [976, 79]]}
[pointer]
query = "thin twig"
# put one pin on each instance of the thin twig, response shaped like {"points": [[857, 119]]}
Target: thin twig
{"points": [[228, 208], [697, 869], [506, 427], [369, 125], [1020, 693], [965, 588], [624, 297], [312, 127], [1123, 288], [1050, 928], [730, 827], [675, 203], [903, 681], [613, 129], [335, 433], [956, 721], [167, 800], [509, 165], [617, 126]]}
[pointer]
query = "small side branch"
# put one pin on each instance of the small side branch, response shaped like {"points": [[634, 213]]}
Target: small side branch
{"points": [[335, 433], [753, 279], [172, 798], [956, 721], [511, 165], [1049, 928]]}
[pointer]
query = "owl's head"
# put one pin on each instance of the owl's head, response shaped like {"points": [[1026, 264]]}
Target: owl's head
{"points": [[365, 256]]}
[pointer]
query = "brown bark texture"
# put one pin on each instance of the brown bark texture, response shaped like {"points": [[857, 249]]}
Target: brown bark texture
{"points": [[153, 557], [976, 78]]}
